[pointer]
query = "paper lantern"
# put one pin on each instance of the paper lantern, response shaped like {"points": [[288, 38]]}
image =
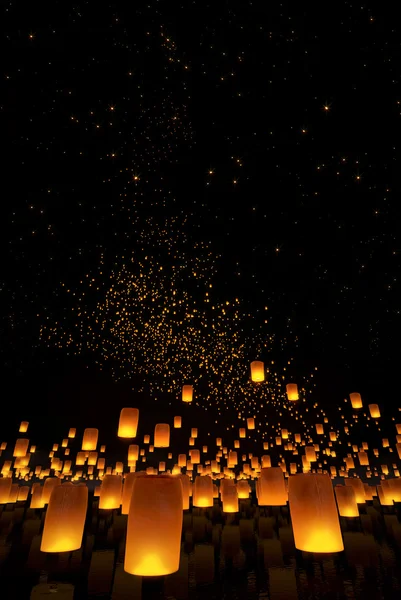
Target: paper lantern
{"points": [[230, 502], [154, 526], [23, 493], [177, 422], [37, 497], [243, 490], [314, 516], [72, 432], [257, 371], [162, 435], [272, 491], [310, 454], [110, 492], [128, 423], [292, 392], [242, 432], [187, 393], [65, 519], [21, 447], [363, 459], [195, 456], [356, 400], [358, 487], [384, 498], [5, 489], [146, 439], [186, 490], [374, 411], [89, 440], [346, 501], [250, 423], [23, 428], [395, 489], [203, 491], [319, 429]]}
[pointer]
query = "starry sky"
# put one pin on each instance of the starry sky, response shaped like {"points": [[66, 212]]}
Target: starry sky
{"points": [[235, 154]]}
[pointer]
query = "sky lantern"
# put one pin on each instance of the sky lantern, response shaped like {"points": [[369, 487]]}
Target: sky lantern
{"points": [[230, 500], [358, 487], [128, 423], [72, 432], [177, 422], [89, 440], [242, 432], [49, 485], [110, 492], [356, 400], [346, 501], [363, 458], [133, 453], [23, 428], [194, 432], [272, 487], [319, 429], [243, 489], [195, 456], [5, 489], [374, 411], [162, 435], [154, 526], [292, 392], [186, 490], [257, 371], [65, 519], [314, 516], [203, 491], [250, 423], [21, 447], [187, 393]]}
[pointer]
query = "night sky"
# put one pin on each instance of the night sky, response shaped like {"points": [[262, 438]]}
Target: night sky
{"points": [[239, 158]]}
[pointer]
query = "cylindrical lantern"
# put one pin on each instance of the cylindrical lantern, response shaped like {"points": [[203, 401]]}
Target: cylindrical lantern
{"points": [[314, 514], [250, 423], [346, 501], [72, 432], [89, 440], [23, 428], [187, 393], [21, 447], [292, 392], [230, 500], [128, 424], [133, 453], [374, 411], [48, 487], [162, 435], [356, 400], [203, 491], [257, 371], [65, 518], [110, 492], [127, 490], [242, 432], [177, 422], [272, 487], [186, 490], [5, 489], [154, 526]]}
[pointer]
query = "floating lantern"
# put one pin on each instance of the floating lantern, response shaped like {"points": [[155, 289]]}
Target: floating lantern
{"points": [[110, 492], [374, 411], [21, 447], [133, 453], [319, 429], [186, 490], [23, 428], [242, 432], [203, 491], [314, 514], [257, 371], [128, 423], [162, 435], [292, 392], [177, 422], [48, 487], [356, 400], [358, 487], [89, 440], [65, 519], [230, 501], [272, 491], [346, 501], [187, 393], [5, 489], [250, 423], [154, 526], [72, 432]]}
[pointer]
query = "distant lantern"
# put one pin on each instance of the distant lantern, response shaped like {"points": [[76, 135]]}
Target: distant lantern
{"points": [[177, 422], [250, 423], [146, 439], [21, 447], [292, 392], [230, 501], [203, 491], [187, 393], [89, 440], [313, 511], [133, 453], [374, 411], [186, 490], [50, 484], [358, 488], [242, 432], [194, 432], [23, 428], [195, 456], [65, 519], [110, 492], [346, 501], [356, 400], [257, 371], [128, 424], [182, 460], [162, 435], [72, 432], [154, 526], [319, 429]]}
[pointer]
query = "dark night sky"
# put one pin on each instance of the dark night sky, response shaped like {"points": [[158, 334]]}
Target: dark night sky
{"points": [[276, 129]]}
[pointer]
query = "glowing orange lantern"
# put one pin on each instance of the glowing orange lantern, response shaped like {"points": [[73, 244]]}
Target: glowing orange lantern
{"points": [[292, 392], [5, 489], [110, 492], [162, 435], [250, 423], [21, 447], [203, 491], [65, 519], [128, 424], [346, 501], [187, 393], [272, 491], [89, 440], [314, 514], [177, 422], [23, 428], [154, 526], [257, 371], [356, 400], [374, 411]]}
